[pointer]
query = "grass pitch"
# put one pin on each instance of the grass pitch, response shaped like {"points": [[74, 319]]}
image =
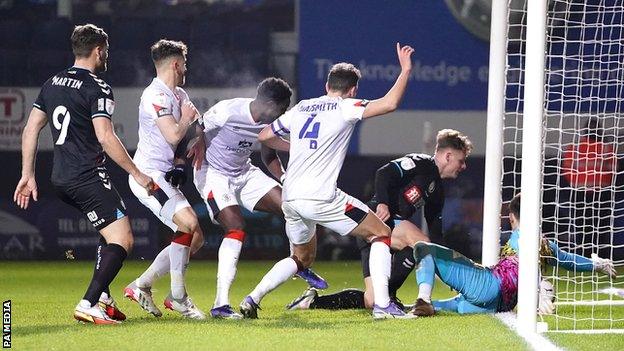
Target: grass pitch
{"points": [[44, 294]]}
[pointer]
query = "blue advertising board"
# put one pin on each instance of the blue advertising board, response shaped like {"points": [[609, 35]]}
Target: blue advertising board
{"points": [[450, 63]]}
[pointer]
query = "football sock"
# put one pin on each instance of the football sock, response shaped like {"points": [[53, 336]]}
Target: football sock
{"points": [[402, 265], [280, 273], [179, 253], [98, 257], [157, 269], [346, 299], [425, 275], [379, 266], [107, 266], [229, 252]]}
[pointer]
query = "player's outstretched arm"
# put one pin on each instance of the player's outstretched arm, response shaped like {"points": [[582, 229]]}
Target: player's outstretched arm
{"points": [[118, 153], [27, 185], [272, 161], [174, 131], [574, 262], [391, 100], [268, 138]]}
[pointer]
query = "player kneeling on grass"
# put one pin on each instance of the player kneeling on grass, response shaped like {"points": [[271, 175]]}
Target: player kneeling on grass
{"points": [[320, 130], [165, 116], [482, 289]]}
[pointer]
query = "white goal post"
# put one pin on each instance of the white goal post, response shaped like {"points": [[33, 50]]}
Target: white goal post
{"points": [[555, 96]]}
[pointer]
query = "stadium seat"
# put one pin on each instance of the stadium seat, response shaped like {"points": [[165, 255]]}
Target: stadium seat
{"points": [[52, 35], [15, 34], [170, 29], [13, 71], [130, 34], [249, 36], [208, 35]]}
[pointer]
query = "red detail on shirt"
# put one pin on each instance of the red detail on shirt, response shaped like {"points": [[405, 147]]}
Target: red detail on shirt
{"points": [[158, 108], [361, 103], [412, 194]]}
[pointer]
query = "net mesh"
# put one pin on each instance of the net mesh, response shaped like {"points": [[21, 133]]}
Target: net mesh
{"points": [[583, 149]]}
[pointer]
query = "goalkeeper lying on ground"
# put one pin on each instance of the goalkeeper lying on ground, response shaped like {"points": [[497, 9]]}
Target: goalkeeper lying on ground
{"points": [[488, 290]]}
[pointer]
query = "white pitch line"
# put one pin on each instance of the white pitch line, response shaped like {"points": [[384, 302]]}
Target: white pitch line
{"points": [[536, 341]]}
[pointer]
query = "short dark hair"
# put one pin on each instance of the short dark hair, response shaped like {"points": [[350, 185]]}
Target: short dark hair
{"points": [[343, 76], [85, 38], [514, 206], [274, 89], [164, 49], [450, 138]]}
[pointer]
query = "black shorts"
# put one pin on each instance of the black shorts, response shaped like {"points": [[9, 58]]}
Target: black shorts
{"points": [[96, 198]]}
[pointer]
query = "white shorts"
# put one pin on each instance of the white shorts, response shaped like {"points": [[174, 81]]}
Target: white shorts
{"points": [[341, 215], [220, 190], [165, 202]]}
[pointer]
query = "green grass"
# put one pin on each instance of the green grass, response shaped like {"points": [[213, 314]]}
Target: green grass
{"points": [[44, 294]]}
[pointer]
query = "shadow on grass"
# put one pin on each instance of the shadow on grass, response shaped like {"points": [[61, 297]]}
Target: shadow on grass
{"points": [[302, 321]]}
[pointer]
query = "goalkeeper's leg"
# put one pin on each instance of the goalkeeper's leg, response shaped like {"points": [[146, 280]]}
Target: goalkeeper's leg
{"points": [[478, 285]]}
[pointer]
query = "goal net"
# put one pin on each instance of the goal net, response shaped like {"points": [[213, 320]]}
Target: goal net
{"points": [[582, 137]]}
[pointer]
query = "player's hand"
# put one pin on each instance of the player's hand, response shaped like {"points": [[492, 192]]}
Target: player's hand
{"points": [[176, 176], [546, 302], [26, 188], [383, 212], [604, 265], [197, 151], [146, 182], [405, 57], [189, 112]]}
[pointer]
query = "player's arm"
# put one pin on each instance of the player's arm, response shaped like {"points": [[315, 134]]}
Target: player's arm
{"points": [[391, 100], [433, 216], [574, 262], [274, 141], [174, 131], [385, 176], [117, 152], [27, 185], [272, 161]]}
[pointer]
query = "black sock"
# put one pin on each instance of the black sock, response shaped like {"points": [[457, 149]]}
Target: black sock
{"points": [[102, 244], [402, 265], [107, 266], [346, 299]]}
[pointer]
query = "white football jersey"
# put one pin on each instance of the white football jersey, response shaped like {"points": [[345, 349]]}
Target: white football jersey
{"points": [[230, 133], [320, 130], [153, 151]]}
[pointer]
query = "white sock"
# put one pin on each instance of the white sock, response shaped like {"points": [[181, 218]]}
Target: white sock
{"points": [[178, 258], [424, 291], [157, 269], [281, 272], [229, 251], [379, 266]]}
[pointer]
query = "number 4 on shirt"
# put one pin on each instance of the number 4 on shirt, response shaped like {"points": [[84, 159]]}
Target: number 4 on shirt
{"points": [[312, 133]]}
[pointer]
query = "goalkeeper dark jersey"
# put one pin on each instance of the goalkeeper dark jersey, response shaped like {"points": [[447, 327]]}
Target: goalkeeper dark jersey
{"points": [[409, 183], [71, 99]]}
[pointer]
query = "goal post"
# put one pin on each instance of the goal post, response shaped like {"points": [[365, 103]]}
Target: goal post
{"points": [[555, 132]]}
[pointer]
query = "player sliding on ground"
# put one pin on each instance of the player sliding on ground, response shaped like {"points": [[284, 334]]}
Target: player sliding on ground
{"points": [[165, 115], [402, 187], [320, 131], [227, 180], [488, 290], [79, 106]]}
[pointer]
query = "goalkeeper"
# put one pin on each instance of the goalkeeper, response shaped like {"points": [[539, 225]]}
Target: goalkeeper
{"points": [[488, 290]]}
